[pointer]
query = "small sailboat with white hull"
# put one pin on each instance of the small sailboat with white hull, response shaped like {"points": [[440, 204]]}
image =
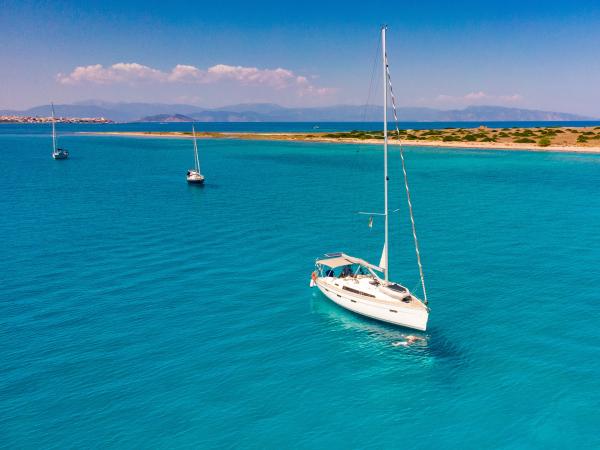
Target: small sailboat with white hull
{"points": [[57, 153], [193, 175], [365, 288]]}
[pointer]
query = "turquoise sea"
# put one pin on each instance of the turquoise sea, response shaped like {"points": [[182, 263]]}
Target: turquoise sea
{"points": [[139, 312]]}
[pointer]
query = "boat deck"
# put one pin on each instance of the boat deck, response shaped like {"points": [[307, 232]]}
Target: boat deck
{"points": [[368, 288]]}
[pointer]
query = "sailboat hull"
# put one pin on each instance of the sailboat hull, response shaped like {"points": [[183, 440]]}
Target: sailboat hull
{"points": [[392, 312], [195, 180], [61, 155]]}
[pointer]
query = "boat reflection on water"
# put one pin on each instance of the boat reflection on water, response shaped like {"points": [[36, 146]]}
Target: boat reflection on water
{"points": [[428, 348], [390, 334]]}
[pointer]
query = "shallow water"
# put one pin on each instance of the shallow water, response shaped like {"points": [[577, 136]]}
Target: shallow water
{"points": [[138, 311]]}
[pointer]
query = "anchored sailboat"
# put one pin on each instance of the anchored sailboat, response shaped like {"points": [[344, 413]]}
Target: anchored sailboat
{"points": [[194, 175], [356, 284], [57, 153]]}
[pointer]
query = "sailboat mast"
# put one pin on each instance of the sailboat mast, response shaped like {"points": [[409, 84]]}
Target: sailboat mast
{"points": [[53, 130], [197, 162], [385, 154]]}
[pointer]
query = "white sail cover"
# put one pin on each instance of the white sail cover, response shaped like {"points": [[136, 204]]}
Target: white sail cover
{"points": [[383, 261]]}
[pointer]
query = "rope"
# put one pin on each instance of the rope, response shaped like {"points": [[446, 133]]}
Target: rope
{"points": [[410, 208], [373, 69]]}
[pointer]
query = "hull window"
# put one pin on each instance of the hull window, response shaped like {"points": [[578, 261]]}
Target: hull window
{"points": [[354, 291]]}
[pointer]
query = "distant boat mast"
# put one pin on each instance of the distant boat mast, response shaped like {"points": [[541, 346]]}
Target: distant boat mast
{"points": [[196, 150], [53, 130]]}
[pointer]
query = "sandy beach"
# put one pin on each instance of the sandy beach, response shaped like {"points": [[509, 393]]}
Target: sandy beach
{"points": [[566, 145]]}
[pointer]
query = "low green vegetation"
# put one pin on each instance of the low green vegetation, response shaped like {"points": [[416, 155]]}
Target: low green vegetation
{"points": [[542, 136], [524, 133], [451, 138], [432, 133], [544, 142]]}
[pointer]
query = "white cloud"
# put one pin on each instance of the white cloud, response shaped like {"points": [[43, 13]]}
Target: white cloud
{"points": [[117, 73], [185, 74], [134, 73], [478, 97]]}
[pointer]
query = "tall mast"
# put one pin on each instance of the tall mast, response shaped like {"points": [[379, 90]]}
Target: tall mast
{"points": [[385, 153], [197, 162], [53, 131]]}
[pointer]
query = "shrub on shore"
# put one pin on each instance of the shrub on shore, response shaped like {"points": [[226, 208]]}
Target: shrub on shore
{"points": [[524, 140], [544, 142], [524, 133], [432, 133], [450, 138]]}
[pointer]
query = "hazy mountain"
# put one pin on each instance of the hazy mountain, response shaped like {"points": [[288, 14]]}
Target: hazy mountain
{"points": [[262, 108], [119, 112], [268, 112], [498, 113], [167, 118]]}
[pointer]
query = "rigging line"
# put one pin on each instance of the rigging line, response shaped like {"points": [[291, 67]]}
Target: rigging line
{"points": [[410, 208], [354, 161], [373, 69]]}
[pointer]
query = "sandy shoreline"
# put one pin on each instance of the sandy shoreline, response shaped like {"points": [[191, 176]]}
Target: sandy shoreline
{"points": [[302, 137]]}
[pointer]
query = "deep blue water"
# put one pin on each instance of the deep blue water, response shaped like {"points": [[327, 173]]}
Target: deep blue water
{"points": [[298, 127], [139, 312]]}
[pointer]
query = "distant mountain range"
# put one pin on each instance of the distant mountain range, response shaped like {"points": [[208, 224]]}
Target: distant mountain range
{"points": [[267, 112], [167, 118]]}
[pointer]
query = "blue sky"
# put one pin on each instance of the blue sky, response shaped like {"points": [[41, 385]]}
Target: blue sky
{"points": [[443, 54]]}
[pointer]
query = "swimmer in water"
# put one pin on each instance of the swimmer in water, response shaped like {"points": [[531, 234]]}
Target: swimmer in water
{"points": [[410, 339]]}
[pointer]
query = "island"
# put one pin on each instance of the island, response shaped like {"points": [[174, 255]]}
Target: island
{"points": [[560, 139]]}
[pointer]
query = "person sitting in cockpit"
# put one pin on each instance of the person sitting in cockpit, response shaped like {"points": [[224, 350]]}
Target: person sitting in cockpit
{"points": [[346, 272]]}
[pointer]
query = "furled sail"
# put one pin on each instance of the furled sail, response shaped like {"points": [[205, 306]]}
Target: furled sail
{"points": [[383, 260]]}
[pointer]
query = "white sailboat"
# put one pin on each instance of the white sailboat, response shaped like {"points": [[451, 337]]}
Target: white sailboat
{"points": [[57, 153], [356, 284], [194, 175]]}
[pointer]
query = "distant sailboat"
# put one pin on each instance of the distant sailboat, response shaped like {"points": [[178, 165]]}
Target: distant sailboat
{"points": [[193, 175], [57, 153], [354, 283]]}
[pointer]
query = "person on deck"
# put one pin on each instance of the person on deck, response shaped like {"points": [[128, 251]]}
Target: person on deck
{"points": [[346, 272]]}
